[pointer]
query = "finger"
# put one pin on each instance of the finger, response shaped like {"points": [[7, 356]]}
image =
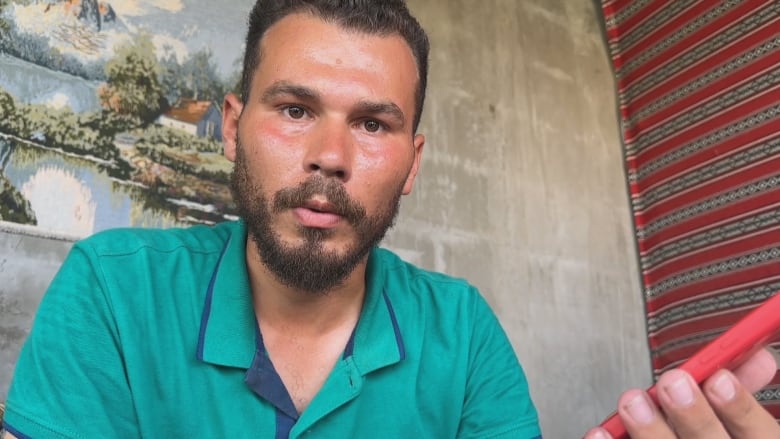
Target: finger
{"points": [[597, 433], [739, 411], [757, 371], [686, 408], [641, 417]]}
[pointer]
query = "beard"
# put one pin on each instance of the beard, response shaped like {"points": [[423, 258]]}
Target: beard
{"points": [[308, 266]]}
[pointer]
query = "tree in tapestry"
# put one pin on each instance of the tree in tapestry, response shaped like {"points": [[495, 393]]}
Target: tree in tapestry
{"points": [[110, 112]]}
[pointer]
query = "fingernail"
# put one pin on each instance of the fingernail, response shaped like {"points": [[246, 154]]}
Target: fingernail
{"points": [[680, 391], [724, 387], [598, 434], [639, 410]]}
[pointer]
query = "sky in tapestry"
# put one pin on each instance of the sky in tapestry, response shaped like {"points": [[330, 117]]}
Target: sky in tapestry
{"points": [[77, 153]]}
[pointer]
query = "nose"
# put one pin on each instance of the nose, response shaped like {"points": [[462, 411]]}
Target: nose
{"points": [[330, 150]]}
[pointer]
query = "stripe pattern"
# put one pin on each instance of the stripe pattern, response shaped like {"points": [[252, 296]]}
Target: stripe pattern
{"points": [[698, 85]]}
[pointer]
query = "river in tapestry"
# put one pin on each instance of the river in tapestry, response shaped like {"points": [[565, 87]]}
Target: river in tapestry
{"points": [[110, 112]]}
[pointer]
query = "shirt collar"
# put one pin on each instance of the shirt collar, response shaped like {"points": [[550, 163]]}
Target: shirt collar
{"points": [[227, 328], [227, 332], [378, 341]]}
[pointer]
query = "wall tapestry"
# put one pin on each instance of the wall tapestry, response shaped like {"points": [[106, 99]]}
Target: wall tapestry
{"points": [[110, 112], [699, 92]]}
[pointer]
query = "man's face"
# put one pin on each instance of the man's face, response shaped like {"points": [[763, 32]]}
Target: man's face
{"points": [[323, 148]]}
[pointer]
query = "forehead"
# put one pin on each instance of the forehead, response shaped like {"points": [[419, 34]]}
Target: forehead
{"points": [[304, 48], [306, 25]]}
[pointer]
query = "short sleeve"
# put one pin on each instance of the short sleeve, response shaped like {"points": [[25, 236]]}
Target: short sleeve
{"points": [[498, 402], [69, 381]]}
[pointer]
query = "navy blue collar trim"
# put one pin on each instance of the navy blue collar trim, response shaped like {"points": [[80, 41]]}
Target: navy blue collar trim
{"points": [[398, 338], [204, 319], [350, 347], [13, 431]]}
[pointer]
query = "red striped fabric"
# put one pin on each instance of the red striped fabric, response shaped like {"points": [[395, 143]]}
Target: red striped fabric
{"points": [[698, 87]]}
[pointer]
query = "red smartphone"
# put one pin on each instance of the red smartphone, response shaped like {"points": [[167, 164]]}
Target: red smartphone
{"points": [[727, 351]]}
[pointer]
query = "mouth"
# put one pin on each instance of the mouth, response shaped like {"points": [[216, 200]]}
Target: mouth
{"points": [[320, 206], [317, 214]]}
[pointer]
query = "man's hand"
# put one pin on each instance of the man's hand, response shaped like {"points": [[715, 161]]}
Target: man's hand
{"points": [[723, 407]]}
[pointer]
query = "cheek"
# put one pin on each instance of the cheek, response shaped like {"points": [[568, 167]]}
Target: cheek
{"points": [[272, 150], [382, 176], [389, 164]]}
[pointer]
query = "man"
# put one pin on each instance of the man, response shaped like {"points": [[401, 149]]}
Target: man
{"points": [[290, 323]]}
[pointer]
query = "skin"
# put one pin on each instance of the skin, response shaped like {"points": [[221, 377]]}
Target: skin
{"points": [[723, 407], [338, 104]]}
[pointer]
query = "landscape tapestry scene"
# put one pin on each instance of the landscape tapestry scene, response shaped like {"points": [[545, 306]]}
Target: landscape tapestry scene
{"points": [[110, 112]]}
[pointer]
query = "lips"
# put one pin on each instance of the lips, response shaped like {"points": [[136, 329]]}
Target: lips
{"points": [[317, 214], [320, 206]]}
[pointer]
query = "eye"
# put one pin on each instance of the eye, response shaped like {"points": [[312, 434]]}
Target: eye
{"points": [[295, 112], [372, 126]]}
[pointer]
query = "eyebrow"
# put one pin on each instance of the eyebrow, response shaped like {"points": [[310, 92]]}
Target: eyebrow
{"points": [[388, 108], [284, 88]]}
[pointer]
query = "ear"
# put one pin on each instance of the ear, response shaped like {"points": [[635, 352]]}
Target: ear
{"points": [[231, 112], [418, 143]]}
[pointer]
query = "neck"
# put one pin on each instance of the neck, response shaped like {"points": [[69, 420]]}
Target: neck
{"points": [[305, 312]]}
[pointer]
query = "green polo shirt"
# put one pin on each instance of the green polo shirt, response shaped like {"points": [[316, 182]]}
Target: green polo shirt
{"points": [[151, 333]]}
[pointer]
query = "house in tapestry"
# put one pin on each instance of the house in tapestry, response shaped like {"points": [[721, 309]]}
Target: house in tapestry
{"points": [[199, 118]]}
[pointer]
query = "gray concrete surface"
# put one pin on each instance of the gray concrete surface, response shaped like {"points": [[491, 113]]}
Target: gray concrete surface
{"points": [[521, 191], [27, 265]]}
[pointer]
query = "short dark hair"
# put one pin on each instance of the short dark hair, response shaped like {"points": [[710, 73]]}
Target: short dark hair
{"points": [[373, 17]]}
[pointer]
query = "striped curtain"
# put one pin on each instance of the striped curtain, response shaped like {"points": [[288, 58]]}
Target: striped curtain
{"points": [[698, 86]]}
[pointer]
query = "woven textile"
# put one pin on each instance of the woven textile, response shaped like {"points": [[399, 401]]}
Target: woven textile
{"points": [[699, 94]]}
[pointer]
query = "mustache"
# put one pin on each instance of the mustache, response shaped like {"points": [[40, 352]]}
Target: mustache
{"points": [[332, 190]]}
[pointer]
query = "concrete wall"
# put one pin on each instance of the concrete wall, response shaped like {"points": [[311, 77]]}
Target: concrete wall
{"points": [[521, 192], [27, 265]]}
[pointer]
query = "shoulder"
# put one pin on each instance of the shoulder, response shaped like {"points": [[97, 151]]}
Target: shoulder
{"points": [[116, 261], [128, 241], [403, 274], [414, 289]]}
